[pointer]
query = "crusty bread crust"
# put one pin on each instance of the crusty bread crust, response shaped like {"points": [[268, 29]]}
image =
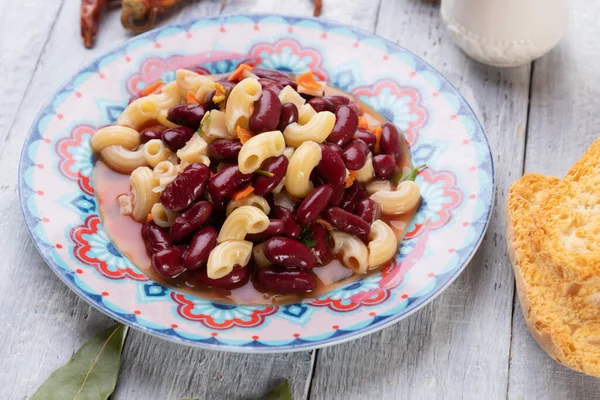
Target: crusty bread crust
{"points": [[552, 240]]}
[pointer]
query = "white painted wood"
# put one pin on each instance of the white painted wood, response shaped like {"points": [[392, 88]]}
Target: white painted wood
{"points": [[457, 347], [43, 322], [563, 122]]}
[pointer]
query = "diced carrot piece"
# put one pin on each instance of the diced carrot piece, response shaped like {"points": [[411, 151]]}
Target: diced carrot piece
{"points": [[362, 123], [239, 72], [149, 217], [377, 133], [308, 81], [190, 98], [240, 194], [243, 134], [350, 178], [326, 224], [152, 88]]}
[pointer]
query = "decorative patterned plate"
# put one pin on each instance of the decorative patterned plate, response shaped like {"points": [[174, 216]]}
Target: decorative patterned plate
{"points": [[57, 192]]}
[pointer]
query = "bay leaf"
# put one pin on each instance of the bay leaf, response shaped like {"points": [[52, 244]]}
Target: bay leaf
{"points": [[280, 392], [91, 374]]}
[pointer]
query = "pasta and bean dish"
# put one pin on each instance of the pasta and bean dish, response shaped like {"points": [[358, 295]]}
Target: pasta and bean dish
{"points": [[255, 186]]}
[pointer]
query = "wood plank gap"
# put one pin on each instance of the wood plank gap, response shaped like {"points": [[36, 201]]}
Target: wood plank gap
{"points": [[35, 69], [311, 375], [531, 71]]}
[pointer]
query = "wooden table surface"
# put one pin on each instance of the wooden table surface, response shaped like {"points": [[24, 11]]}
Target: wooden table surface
{"points": [[471, 342]]}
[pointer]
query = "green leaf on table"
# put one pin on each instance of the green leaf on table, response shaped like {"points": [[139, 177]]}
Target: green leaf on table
{"points": [[91, 373], [281, 392]]}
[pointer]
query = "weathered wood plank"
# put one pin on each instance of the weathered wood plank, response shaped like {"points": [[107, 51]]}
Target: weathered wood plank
{"points": [[43, 322], [563, 122], [458, 346], [149, 363]]}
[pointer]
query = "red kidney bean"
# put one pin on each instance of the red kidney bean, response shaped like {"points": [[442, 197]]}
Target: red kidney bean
{"points": [[331, 167], [269, 74], [236, 278], [188, 222], [355, 155], [321, 104], [285, 281], [155, 238], [265, 184], [353, 195], [209, 104], [167, 263], [269, 84], [355, 107], [289, 82], [218, 202], [337, 149], [275, 228], [368, 210], [314, 204], [346, 123], [290, 226], [367, 137], [186, 188], [384, 165], [390, 141], [336, 101], [200, 247], [224, 150], [176, 138], [347, 222], [265, 116], [188, 115], [152, 132], [289, 253], [338, 194], [226, 181], [319, 235], [289, 115]]}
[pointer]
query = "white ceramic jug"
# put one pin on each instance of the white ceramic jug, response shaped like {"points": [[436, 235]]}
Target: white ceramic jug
{"points": [[505, 33]]}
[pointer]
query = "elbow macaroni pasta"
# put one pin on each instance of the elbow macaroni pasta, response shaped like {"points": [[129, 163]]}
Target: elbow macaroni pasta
{"points": [[289, 95], [119, 159], [216, 128], [191, 82], [366, 173], [142, 181], [305, 114], [195, 150], [382, 243], [241, 221], [405, 198], [156, 152], [317, 129], [251, 200], [241, 98], [355, 254], [258, 149], [226, 255], [376, 186], [161, 216], [297, 177], [138, 113], [115, 136]]}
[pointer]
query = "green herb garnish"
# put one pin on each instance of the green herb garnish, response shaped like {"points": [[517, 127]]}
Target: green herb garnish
{"points": [[205, 123], [306, 237], [411, 175], [264, 173]]}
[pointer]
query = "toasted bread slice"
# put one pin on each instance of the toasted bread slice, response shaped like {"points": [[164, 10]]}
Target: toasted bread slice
{"points": [[554, 243]]}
